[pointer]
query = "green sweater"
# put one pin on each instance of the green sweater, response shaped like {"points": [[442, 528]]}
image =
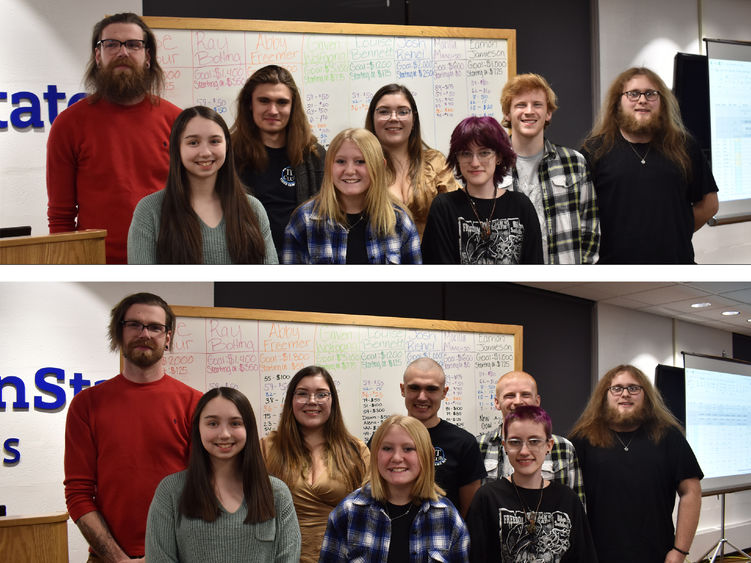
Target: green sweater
{"points": [[144, 231], [171, 536]]}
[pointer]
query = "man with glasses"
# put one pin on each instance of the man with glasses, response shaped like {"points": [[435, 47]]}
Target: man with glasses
{"points": [[634, 459], [515, 389], [111, 149], [458, 463], [555, 178], [125, 434], [654, 187]]}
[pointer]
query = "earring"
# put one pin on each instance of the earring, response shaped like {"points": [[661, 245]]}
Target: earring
{"points": [[148, 64]]}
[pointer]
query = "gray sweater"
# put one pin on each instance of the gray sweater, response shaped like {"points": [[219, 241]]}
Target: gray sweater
{"points": [[171, 536], [144, 231]]}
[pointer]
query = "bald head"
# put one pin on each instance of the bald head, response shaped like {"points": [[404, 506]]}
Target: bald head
{"points": [[425, 366], [514, 389], [423, 389]]}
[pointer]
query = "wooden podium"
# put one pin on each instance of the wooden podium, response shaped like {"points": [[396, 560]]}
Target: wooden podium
{"points": [[32, 539], [77, 247]]}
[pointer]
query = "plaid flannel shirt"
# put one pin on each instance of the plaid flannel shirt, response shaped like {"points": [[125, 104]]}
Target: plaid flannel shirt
{"points": [[360, 530], [568, 197], [561, 464], [309, 241]]}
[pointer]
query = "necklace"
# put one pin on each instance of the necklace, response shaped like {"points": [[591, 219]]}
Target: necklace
{"points": [[625, 446], [530, 518], [392, 518], [349, 227], [642, 159], [484, 225]]}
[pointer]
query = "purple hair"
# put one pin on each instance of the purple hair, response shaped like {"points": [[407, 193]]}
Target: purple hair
{"points": [[484, 132], [529, 412]]}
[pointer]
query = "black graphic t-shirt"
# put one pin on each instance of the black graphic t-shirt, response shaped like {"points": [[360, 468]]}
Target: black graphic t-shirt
{"points": [[454, 235], [499, 531], [276, 189]]}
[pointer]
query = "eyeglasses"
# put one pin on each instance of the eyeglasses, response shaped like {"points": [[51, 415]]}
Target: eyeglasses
{"points": [[386, 113], [114, 45], [151, 328], [318, 397], [617, 390], [635, 95], [515, 444], [483, 155]]}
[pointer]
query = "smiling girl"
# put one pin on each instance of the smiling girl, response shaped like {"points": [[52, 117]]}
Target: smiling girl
{"points": [[314, 454], [482, 223], [203, 215], [353, 219], [524, 517], [400, 513], [224, 507]]}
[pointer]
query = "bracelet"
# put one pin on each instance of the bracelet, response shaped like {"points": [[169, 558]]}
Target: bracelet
{"points": [[679, 550]]}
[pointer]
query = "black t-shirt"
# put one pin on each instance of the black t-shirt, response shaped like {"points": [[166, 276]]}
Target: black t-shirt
{"points": [[631, 494], [401, 524], [356, 248], [498, 527], [276, 189], [458, 460], [646, 210], [453, 234]]}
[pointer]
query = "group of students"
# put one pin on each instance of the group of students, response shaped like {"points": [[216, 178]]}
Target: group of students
{"points": [[369, 199], [311, 491]]}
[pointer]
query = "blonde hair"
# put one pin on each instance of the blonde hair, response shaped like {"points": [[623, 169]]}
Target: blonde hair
{"points": [[520, 84], [424, 487], [592, 423], [379, 204]]}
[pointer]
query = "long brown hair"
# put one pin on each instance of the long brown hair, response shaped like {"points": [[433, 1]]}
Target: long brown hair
{"points": [[671, 138], [198, 499], [592, 423], [179, 240], [289, 458], [416, 147], [250, 153], [153, 71]]}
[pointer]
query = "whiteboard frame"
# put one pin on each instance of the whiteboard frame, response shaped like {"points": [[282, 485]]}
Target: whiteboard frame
{"points": [[280, 26], [516, 331]]}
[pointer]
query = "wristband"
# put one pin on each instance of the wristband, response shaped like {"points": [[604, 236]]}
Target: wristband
{"points": [[679, 550]]}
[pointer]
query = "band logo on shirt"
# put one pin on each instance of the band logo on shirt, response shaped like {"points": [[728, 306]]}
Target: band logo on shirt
{"points": [[288, 177], [440, 456]]}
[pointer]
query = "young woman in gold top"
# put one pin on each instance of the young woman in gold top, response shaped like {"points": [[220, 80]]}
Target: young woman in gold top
{"points": [[417, 173], [314, 454]]}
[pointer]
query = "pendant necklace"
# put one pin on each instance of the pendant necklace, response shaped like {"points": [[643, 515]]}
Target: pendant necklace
{"points": [[392, 518], [625, 446], [530, 518], [642, 159], [349, 227], [485, 229]]}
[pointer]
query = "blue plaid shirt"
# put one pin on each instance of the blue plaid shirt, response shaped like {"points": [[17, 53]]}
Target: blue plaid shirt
{"points": [[309, 241], [561, 464], [360, 530], [572, 224]]}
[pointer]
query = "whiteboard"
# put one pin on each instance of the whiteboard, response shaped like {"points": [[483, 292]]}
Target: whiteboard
{"points": [[258, 352], [452, 72]]}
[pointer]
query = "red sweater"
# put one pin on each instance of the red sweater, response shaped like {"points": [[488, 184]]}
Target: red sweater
{"points": [[102, 158], [121, 439]]}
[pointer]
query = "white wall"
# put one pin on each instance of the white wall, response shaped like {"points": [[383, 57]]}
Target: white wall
{"points": [[644, 340], [60, 325]]}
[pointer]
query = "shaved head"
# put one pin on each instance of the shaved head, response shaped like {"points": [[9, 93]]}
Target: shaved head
{"points": [[514, 389], [425, 365]]}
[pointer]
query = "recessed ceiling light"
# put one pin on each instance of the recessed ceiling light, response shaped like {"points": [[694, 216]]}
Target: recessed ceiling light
{"points": [[730, 313], [700, 305]]}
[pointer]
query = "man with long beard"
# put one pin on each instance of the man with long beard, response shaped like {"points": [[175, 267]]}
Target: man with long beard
{"points": [[106, 152], [654, 187], [124, 435], [634, 459]]}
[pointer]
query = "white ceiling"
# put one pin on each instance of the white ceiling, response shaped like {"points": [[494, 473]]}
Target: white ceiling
{"points": [[669, 299]]}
